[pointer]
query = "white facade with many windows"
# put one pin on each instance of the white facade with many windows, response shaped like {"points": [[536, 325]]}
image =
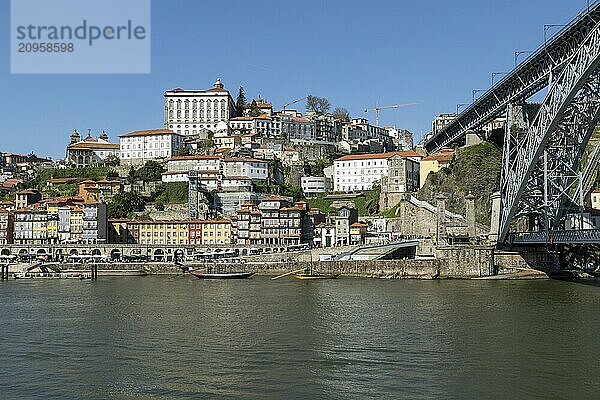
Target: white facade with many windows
{"points": [[357, 172], [188, 111], [312, 185], [158, 144]]}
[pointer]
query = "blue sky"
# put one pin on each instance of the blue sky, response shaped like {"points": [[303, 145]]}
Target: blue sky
{"points": [[354, 52]]}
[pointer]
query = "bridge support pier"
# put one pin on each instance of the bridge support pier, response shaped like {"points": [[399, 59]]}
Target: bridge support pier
{"points": [[4, 272]]}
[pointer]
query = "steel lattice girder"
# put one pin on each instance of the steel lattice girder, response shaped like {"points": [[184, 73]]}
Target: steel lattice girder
{"points": [[558, 174], [528, 78], [570, 106]]}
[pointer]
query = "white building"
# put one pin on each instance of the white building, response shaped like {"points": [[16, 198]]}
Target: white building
{"points": [[441, 121], [357, 172], [296, 127], [90, 151], [188, 111], [266, 126], [137, 147], [257, 170], [226, 171], [595, 199], [312, 185], [362, 130]]}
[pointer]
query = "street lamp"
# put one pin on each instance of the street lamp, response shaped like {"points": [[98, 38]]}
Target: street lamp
{"points": [[475, 91], [548, 27], [495, 74], [518, 53]]}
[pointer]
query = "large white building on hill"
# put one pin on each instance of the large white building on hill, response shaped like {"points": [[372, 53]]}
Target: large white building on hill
{"points": [[188, 111]]}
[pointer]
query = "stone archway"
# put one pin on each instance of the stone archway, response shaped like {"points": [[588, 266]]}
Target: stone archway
{"points": [[179, 255], [115, 254], [73, 252], [5, 252], [159, 255]]}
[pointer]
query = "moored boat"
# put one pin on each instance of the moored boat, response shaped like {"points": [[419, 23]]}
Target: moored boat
{"points": [[314, 276], [225, 275], [51, 275]]}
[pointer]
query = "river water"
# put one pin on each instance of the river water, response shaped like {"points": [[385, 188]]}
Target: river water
{"points": [[182, 338]]}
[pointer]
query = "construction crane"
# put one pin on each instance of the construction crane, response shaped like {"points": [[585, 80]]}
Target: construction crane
{"points": [[294, 102], [377, 109]]}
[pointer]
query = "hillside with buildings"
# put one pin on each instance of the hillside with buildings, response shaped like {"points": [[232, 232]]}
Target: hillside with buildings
{"points": [[476, 170]]}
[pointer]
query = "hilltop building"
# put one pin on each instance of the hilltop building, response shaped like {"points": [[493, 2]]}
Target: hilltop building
{"points": [[137, 147], [187, 112], [90, 151]]}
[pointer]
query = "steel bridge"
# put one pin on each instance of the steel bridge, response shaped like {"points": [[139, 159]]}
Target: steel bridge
{"points": [[549, 161]]}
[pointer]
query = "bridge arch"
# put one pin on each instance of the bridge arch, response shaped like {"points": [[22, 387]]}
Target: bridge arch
{"points": [[5, 252], [541, 177]]}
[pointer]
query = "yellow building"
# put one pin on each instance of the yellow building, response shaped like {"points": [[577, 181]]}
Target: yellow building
{"points": [[160, 232], [435, 162], [76, 223], [52, 223], [358, 231], [216, 231]]}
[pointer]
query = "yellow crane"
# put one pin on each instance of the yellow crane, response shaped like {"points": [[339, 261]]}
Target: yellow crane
{"points": [[377, 108]]}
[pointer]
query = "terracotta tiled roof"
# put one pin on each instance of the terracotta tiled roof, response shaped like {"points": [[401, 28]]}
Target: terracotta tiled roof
{"points": [[181, 158], [60, 181], [241, 159], [93, 145], [440, 156], [174, 172]]}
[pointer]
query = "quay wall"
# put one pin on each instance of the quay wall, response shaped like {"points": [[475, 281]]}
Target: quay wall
{"points": [[391, 269]]}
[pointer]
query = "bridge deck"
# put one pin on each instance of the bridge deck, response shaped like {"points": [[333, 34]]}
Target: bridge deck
{"points": [[526, 79], [585, 236]]}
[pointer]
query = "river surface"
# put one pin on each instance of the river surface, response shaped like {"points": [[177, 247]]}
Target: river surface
{"points": [[182, 338]]}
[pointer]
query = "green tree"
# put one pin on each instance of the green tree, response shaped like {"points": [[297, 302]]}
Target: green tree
{"points": [[112, 160], [132, 176], [240, 102], [123, 204], [254, 110], [184, 151], [151, 171]]}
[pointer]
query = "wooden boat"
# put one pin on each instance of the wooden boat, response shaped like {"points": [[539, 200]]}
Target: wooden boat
{"points": [[230, 275], [51, 275], [315, 276]]}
